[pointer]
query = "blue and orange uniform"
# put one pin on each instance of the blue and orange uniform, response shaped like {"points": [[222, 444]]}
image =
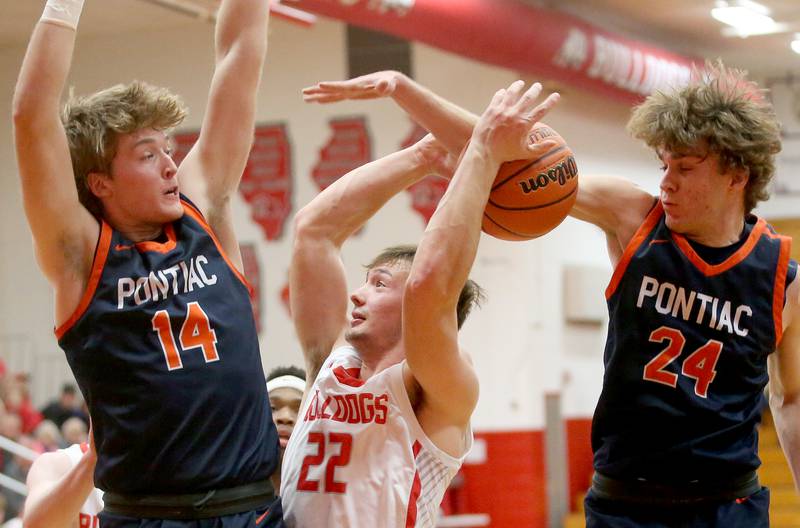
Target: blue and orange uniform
{"points": [[690, 331], [164, 348]]}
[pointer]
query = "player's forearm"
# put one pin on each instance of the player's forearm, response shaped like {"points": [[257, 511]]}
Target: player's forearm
{"points": [[347, 204], [43, 74], [59, 505], [451, 124], [786, 413], [450, 242], [242, 29]]}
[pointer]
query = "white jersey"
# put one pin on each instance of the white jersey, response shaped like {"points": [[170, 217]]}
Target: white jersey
{"points": [[358, 457], [87, 518]]}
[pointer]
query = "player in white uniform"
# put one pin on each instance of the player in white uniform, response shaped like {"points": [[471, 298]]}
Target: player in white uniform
{"points": [[61, 492], [384, 423]]}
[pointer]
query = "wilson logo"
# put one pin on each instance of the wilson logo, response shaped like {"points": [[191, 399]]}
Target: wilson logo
{"points": [[560, 174]]}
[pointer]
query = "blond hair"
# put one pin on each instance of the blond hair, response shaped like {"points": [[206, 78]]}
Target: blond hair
{"points": [[93, 124], [722, 107]]}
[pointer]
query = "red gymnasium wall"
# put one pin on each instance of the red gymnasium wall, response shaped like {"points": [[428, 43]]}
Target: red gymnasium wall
{"points": [[510, 486]]}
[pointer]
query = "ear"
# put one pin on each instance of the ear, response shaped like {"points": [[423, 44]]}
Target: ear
{"points": [[739, 178], [99, 184]]}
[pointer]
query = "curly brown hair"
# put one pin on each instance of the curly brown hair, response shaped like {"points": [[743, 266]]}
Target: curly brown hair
{"points": [[471, 294], [721, 107], [94, 122]]}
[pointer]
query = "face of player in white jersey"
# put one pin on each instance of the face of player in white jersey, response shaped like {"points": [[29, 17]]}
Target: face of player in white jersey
{"points": [[376, 320]]}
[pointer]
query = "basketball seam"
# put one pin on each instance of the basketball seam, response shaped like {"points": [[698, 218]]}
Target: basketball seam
{"points": [[532, 207], [528, 165], [492, 220]]}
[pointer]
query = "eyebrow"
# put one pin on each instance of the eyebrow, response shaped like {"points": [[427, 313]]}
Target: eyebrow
{"points": [[382, 271]]}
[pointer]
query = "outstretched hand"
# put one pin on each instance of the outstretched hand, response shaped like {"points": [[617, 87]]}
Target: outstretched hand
{"points": [[370, 86], [506, 125]]}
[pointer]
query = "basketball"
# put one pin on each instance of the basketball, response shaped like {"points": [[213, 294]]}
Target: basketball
{"points": [[531, 197]]}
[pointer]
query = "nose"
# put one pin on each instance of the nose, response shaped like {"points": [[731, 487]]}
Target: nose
{"points": [[668, 181], [283, 416], [170, 169], [357, 297]]}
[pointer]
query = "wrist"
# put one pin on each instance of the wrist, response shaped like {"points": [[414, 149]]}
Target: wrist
{"points": [[63, 12]]}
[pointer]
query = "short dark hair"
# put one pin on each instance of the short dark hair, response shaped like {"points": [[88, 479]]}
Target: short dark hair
{"points": [[291, 370], [471, 294], [68, 388]]}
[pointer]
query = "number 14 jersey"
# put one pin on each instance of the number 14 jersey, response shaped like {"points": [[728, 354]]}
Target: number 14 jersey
{"points": [[358, 457]]}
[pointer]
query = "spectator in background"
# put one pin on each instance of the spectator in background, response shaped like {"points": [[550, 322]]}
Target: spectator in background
{"points": [[48, 434], [18, 400], [66, 406], [285, 386], [74, 431]]}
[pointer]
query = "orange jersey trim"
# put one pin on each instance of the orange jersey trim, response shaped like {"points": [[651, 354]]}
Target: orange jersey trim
{"points": [[779, 290], [650, 222], [710, 270], [194, 213], [100, 256], [159, 247]]}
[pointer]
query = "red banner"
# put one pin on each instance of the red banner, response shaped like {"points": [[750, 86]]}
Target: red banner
{"points": [[426, 193], [252, 272], [521, 37], [266, 183], [183, 143], [349, 148], [267, 180]]}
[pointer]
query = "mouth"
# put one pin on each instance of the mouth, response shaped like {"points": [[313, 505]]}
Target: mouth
{"points": [[172, 192]]}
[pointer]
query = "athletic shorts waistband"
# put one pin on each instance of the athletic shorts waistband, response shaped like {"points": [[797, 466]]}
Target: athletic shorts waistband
{"points": [[642, 491], [204, 505]]}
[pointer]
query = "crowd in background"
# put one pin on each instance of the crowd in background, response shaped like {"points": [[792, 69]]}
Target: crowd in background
{"points": [[60, 423]]}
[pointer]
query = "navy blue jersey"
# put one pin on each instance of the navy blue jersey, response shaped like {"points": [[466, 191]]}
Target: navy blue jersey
{"points": [[164, 348], [686, 355]]}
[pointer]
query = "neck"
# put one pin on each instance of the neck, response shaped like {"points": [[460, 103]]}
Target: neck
{"points": [[137, 232], [377, 361], [726, 230]]}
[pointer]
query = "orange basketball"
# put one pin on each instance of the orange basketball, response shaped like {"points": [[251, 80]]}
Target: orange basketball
{"points": [[531, 197]]}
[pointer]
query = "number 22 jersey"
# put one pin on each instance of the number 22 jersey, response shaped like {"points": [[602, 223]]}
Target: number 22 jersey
{"points": [[358, 458], [685, 359]]}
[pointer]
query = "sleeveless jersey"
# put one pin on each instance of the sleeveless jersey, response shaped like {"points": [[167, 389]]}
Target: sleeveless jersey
{"points": [[164, 348], [358, 457], [686, 355], [87, 518]]}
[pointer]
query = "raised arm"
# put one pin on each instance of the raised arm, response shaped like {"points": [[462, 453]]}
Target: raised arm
{"points": [[317, 285], [57, 490], [64, 232], [448, 247], [213, 168], [451, 124], [784, 383], [615, 205]]}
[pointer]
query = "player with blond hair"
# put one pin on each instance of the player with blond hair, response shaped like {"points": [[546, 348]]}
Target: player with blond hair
{"points": [[151, 307]]}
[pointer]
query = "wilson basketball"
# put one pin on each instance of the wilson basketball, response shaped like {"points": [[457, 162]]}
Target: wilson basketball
{"points": [[531, 197]]}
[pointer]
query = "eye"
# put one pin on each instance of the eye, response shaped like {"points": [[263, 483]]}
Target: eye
{"points": [[148, 155], [663, 167], [380, 284], [169, 151]]}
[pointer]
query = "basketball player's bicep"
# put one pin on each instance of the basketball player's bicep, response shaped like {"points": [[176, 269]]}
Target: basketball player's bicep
{"points": [[317, 294], [437, 363], [615, 205]]}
